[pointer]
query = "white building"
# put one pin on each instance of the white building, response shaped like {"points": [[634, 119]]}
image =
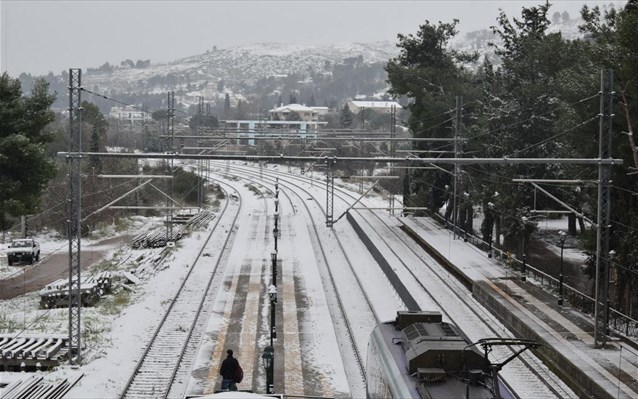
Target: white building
{"points": [[305, 113], [384, 107], [130, 114]]}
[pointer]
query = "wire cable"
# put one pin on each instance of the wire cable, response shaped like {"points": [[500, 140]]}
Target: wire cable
{"points": [[127, 104], [553, 137], [535, 116]]}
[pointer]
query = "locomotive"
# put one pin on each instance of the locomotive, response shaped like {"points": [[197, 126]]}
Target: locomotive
{"points": [[417, 355]]}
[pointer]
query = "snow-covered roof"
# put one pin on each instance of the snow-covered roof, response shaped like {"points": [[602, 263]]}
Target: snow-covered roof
{"points": [[376, 104], [292, 108]]}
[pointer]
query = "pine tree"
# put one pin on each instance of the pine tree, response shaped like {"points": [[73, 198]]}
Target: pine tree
{"points": [[614, 46], [346, 117], [24, 167], [429, 73], [241, 110], [92, 116]]}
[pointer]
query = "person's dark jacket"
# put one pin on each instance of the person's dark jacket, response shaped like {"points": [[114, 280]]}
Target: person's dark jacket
{"points": [[229, 366]]}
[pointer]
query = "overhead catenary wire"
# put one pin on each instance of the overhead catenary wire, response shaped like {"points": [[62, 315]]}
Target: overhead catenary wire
{"points": [[84, 196], [128, 104], [532, 117], [493, 131], [518, 152], [512, 216]]}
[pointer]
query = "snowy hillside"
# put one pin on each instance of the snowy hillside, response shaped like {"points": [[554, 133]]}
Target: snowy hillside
{"points": [[259, 73], [479, 40], [243, 65]]}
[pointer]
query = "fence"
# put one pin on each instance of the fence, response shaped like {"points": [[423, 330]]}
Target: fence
{"points": [[580, 301]]}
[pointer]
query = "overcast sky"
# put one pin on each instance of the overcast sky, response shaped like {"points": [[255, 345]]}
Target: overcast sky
{"points": [[42, 36]]}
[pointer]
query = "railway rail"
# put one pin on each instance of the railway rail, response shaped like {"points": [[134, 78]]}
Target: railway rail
{"points": [[432, 281], [155, 372], [357, 319]]}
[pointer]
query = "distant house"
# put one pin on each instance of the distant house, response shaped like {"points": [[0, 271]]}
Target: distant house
{"points": [[129, 114], [382, 107], [307, 114], [321, 110]]}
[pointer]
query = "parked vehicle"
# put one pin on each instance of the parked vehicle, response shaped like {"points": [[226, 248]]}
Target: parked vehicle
{"points": [[23, 250]]}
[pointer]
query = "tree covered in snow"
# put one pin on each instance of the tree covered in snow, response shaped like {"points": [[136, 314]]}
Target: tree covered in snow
{"points": [[431, 75], [538, 99], [24, 167], [346, 117], [613, 45], [97, 126], [526, 112]]}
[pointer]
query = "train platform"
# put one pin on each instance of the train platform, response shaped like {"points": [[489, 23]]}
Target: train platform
{"points": [[531, 312]]}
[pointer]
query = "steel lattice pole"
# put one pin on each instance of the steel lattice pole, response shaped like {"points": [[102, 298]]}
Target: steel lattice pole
{"points": [[602, 242], [170, 115], [330, 191], [74, 204]]}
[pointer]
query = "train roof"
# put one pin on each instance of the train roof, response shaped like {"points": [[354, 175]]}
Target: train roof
{"points": [[233, 395], [432, 357]]}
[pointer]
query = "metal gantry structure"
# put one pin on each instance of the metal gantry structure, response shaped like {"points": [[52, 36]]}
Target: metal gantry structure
{"points": [[170, 148], [601, 312], [457, 166], [330, 191], [73, 211], [200, 163], [75, 154]]}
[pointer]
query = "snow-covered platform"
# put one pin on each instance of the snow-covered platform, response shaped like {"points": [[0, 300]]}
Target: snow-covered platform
{"points": [[532, 313]]}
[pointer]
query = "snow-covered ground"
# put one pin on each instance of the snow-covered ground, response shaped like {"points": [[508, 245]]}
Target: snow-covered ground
{"points": [[116, 328]]}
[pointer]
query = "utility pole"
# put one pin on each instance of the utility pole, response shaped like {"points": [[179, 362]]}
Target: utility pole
{"points": [[457, 166], [601, 315], [363, 118], [393, 117], [73, 222], [209, 115], [330, 191], [200, 163], [170, 116]]}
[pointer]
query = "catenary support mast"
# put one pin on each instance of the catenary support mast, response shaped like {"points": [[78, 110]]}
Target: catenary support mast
{"points": [[170, 115], [601, 314], [330, 191], [74, 206]]}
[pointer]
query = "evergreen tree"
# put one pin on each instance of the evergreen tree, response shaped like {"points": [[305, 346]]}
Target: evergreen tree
{"points": [[227, 106], [432, 75], [614, 46], [151, 142], [346, 117], [97, 125], [24, 167], [207, 121], [241, 110], [525, 104], [293, 116]]}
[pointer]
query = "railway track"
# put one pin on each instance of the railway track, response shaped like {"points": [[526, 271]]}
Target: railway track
{"points": [[453, 299], [172, 342], [443, 293], [357, 319]]}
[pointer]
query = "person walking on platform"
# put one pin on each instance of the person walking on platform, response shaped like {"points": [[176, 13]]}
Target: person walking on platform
{"points": [[228, 371]]}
